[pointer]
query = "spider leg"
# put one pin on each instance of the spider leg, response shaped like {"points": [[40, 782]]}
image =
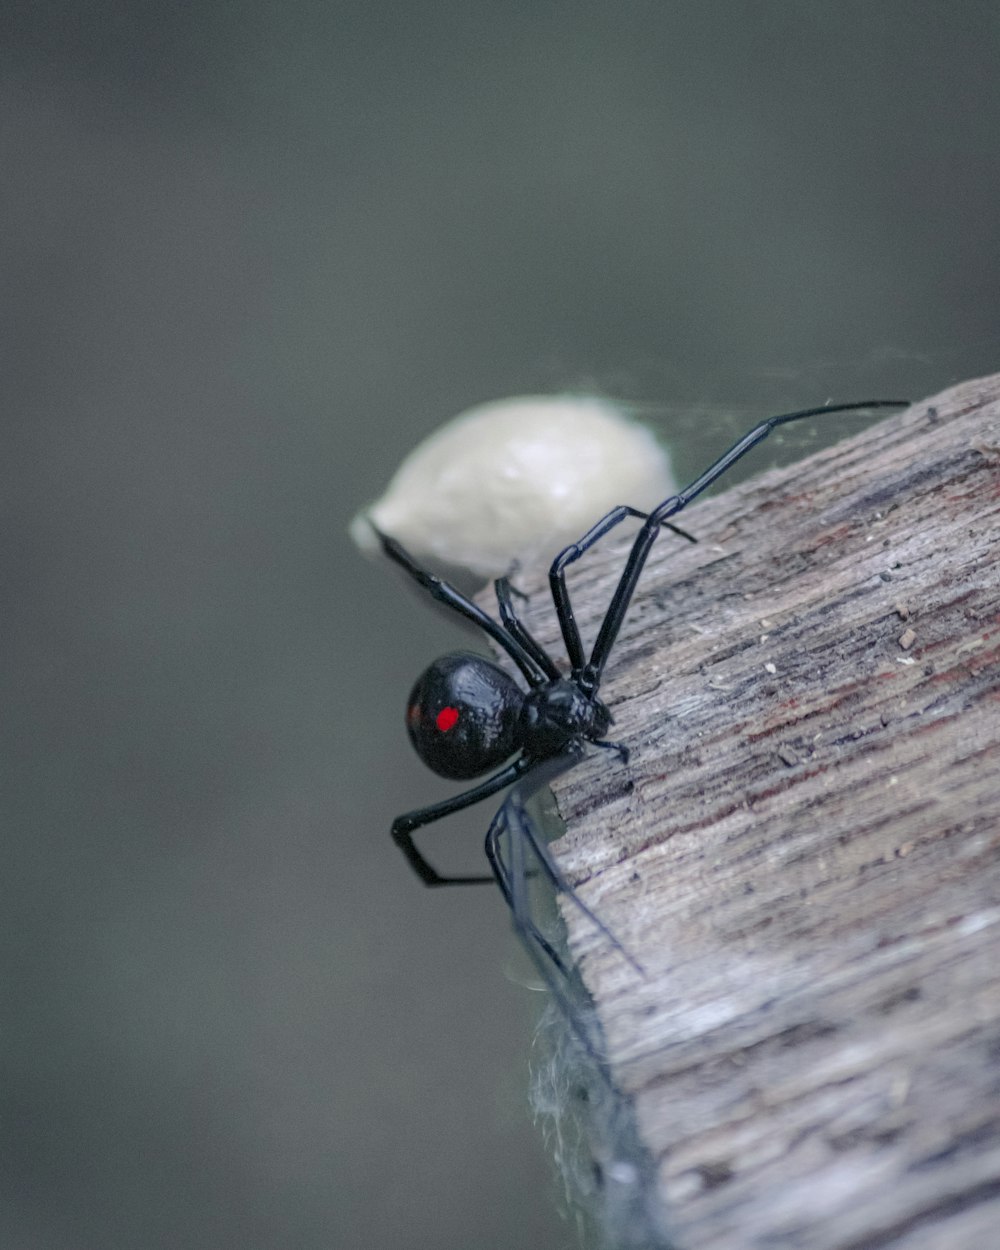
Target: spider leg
{"points": [[559, 883], [403, 826], [515, 897], [607, 634], [527, 833], [619, 747], [445, 593], [557, 575], [512, 571], [564, 985], [517, 630]]}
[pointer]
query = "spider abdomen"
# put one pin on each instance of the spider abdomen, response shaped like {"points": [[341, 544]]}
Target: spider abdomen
{"points": [[462, 715]]}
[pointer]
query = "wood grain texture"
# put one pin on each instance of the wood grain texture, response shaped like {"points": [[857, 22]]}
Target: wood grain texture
{"points": [[802, 851]]}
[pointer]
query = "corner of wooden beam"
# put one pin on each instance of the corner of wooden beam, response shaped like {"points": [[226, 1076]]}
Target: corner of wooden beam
{"points": [[802, 849]]}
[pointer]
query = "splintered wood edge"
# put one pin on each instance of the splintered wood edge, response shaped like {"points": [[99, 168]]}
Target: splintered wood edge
{"points": [[802, 849]]}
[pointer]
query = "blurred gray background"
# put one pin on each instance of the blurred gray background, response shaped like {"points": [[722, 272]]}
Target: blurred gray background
{"points": [[251, 255]]}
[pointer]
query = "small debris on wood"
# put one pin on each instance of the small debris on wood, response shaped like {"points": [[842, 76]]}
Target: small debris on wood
{"points": [[770, 668], [788, 756], [907, 638], [902, 610]]}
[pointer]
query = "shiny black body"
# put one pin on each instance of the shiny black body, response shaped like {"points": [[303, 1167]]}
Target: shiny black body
{"points": [[485, 706], [558, 713], [467, 717]]}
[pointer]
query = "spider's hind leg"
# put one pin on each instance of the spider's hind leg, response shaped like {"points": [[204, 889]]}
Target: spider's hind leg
{"points": [[559, 977], [524, 837], [516, 896], [403, 827]]}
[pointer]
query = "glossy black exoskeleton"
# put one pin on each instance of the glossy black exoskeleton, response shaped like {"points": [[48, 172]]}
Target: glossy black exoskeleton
{"points": [[465, 715], [462, 715]]}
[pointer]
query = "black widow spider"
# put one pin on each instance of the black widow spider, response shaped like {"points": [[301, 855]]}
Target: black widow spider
{"points": [[466, 716]]}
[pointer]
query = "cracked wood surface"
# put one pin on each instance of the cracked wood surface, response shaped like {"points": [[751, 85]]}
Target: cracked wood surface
{"points": [[802, 851]]}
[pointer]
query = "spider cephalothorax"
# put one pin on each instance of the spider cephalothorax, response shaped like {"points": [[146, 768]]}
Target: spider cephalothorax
{"points": [[558, 713]]}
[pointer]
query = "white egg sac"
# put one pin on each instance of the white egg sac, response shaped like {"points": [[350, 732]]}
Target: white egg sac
{"points": [[515, 481]]}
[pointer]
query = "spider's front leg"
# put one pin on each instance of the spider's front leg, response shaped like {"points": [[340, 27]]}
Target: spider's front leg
{"points": [[557, 575], [403, 826]]}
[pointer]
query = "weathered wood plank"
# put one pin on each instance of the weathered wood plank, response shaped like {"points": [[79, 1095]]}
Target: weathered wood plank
{"points": [[802, 850]]}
